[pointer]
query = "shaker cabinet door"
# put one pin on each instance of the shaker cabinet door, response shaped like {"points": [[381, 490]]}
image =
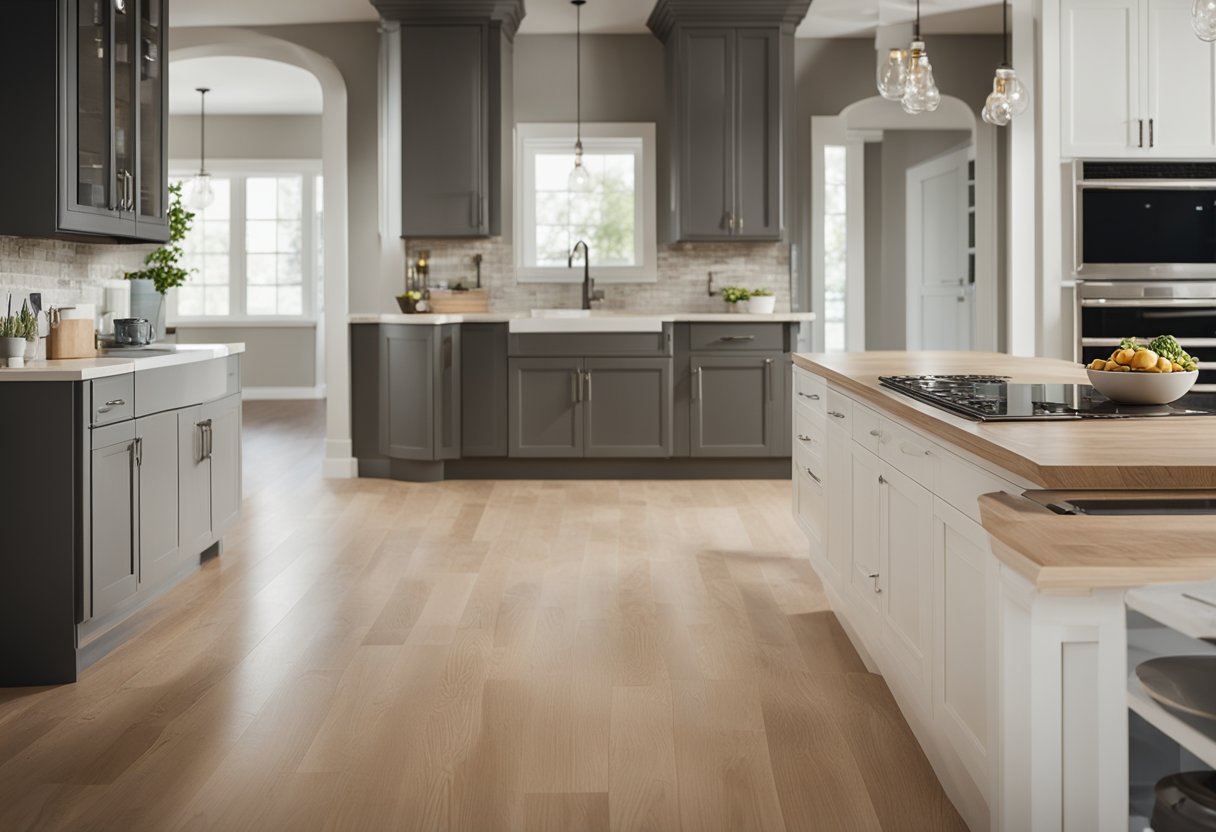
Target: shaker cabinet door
{"points": [[906, 566], [1101, 90], [758, 167], [735, 401], [546, 417], [195, 491], [224, 448], [706, 110], [158, 462], [115, 571], [627, 407], [407, 392]]}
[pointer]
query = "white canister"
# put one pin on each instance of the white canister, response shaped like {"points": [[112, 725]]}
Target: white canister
{"points": [[762, 304]]}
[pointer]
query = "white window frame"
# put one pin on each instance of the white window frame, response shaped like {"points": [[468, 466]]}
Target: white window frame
{"points": [[239, 170], [533, 138]]}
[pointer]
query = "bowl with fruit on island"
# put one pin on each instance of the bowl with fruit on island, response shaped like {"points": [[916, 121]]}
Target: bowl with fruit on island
{"points": [[1158, 372]]}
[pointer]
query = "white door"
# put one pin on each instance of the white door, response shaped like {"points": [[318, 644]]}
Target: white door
{"points": [[1181, 76], [906, 566], [939, 293], [1101, 88]]}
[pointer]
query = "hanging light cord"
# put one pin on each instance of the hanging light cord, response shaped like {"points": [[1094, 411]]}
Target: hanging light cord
{"points": [[1005, 30], [578, 73], [917, 33], [202, 129]]}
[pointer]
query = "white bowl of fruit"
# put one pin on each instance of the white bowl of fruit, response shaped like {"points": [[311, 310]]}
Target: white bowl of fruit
{"points": [[1157, 373]]}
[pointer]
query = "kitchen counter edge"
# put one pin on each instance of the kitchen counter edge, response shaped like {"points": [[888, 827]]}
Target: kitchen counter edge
{"points": [[86, 369]]}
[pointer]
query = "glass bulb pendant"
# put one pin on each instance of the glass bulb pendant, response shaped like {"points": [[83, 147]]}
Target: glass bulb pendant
{"points": [[1007, 99], [580, 178], [1203, 19], [200, 194], [920, 91], [893, 74]]}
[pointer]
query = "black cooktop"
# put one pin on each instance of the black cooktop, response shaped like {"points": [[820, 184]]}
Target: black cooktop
{"points": [[995, 399]]}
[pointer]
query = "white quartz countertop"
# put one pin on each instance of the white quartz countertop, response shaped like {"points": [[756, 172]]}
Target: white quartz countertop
{"points": [[427, 319], [117, 362]]}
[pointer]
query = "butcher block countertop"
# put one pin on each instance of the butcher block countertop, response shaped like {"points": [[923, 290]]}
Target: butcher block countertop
{"points": [[1071, 553], [1136, 454]]}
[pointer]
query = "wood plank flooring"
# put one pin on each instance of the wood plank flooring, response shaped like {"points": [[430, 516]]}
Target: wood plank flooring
{"points": [[370, 655]]}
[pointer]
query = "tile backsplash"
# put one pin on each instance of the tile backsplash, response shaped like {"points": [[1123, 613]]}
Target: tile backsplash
{"points": [[683, 270], [65, 273]]}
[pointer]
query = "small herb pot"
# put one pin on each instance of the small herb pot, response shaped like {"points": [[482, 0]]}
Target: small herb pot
{"points": [[12, 350]]}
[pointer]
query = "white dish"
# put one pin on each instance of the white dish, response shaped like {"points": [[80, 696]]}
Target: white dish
{"points": [[1186, 684], [1142, 388]]}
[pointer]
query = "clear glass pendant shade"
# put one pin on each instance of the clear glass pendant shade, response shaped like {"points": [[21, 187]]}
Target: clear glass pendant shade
{"points": [[1203, 19], [200, 194], [580, 177], [920, 90], [893, 74], [1007, 99]]}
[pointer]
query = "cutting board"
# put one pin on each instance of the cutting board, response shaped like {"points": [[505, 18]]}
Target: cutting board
{"points": [[72, 339], [456, 303]]}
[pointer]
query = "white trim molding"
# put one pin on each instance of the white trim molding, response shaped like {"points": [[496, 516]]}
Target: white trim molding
{"points": [[265, 394]]}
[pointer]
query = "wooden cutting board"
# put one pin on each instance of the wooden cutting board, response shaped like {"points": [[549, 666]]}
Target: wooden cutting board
{"points": [[446, 302], [72, 339]]}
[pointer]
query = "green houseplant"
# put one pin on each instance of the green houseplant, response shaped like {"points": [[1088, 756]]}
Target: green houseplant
{"points": [[735, 295], [162, 269], [16, 331]]}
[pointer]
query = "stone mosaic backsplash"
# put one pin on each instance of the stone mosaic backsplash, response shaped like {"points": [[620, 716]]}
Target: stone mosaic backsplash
{"points": [[65, 273], [683, 269]]}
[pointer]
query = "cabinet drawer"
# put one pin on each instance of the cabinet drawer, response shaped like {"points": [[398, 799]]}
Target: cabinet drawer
{"points": [[769, 337], [867, 427], [810, 391], [113, 399], [812, 463], [171, 388], [907, 452], [839, 409], [809, 432], [961, 484]]}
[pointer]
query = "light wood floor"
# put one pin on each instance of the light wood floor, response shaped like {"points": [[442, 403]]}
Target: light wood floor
{"points": [[370, 655]]}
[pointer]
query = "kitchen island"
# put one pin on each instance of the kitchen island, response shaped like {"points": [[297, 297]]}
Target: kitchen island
{"points": [[572, 394], [1006, 631], [124, 473]]}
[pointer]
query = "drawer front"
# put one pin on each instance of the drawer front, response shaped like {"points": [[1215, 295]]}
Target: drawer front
{"points": [[867, 427], [809, 432], [170, 388], [113, 399], [840, 409], [590, 344], [810, 391], [812, 505], [961, 484], [736, 337], [811, 463], [907, 452]]}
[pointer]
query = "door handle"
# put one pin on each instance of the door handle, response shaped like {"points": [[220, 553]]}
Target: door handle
{"points": [[812, 476], [768, 369]]}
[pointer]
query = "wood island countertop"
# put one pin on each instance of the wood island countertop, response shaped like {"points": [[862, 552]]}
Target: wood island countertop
{"points": [[1144, 454]]}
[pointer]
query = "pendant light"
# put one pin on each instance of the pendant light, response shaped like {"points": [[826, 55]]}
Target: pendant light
{"points": [[201, 194], [580, 178], [1203, 19], [1008, 97], [920, 90]]}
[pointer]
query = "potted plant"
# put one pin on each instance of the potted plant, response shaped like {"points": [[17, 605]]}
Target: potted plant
{"points": [[16, 331], [162, 267], [761, 302], [736, 298], [408, 301]]}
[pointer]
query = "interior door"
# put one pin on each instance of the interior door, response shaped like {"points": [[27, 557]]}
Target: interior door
{"points": [[939, 291]]}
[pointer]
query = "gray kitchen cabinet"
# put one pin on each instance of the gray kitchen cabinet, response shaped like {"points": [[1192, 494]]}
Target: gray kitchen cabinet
{"points": [[223, 420], [115, 529], [627, 405], [758, 123], [546, 418], [194, 465], [420, 391], [483, 390], [736, 405], [157, 463]]}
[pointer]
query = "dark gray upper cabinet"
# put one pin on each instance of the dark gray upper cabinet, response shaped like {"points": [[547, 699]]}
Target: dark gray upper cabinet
{"points": [[546, 418], [736, 407], [627, 405], [92, 103], [730, 83], [420, 391], [158, 463]]}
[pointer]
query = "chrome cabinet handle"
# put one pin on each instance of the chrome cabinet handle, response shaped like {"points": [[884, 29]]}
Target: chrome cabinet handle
{"points": [[576, 385], [587, 376], [802, 437], [698, 391], [116, 402], [812, 396], [873, 576], [139, 451], [1152, 141], [768, 368], [835, 414], [737, 339], [812, 476], [210, 439], [1141, 133], [740, 224]]}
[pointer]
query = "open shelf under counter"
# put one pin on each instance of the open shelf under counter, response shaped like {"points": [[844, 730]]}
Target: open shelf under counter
{"points": [[1189, 609], [1188, 733]]}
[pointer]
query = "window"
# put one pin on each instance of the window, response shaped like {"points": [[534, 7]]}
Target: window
{"points": [[835, 245], [616, 217], [255, 252]]}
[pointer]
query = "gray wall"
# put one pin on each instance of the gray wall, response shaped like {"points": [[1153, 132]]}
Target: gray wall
{"points": [[874, 241], [281, 356], [247, 137], [886, 306]]}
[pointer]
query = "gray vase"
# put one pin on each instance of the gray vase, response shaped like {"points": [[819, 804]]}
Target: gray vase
{"points": [[148, 303]]}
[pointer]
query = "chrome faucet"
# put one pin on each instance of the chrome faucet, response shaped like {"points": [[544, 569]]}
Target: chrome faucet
{"points": [[590, 293]]}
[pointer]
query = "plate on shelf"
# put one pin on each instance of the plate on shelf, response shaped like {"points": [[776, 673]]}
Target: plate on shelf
{"points": [[1185, 684]]}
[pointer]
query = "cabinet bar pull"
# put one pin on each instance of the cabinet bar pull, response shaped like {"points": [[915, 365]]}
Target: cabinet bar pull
{"points": [[139, 452], [1141, 133], [740, 225], [802, 437], [1152, 142], [768, 378], [116, 402], [737, 339], [587, 376], [812, 396], [835, 414], [873, 576], [882, 480], [697, 390], [812, 476], [576, 385]]}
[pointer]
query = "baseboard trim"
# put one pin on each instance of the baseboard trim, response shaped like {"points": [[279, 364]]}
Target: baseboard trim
{"points": [[260, 394], [340, 468], [577, 469]]}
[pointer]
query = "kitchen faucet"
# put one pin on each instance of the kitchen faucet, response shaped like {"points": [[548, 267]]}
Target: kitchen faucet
{"points": [[590, 293]]}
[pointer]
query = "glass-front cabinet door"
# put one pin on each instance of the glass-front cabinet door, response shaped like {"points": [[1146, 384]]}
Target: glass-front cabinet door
{"points": [[126, 57], [152, 176], [95, 189]]}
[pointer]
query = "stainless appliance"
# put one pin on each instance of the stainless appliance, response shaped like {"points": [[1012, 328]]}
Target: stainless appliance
{"points": [[1141, 220], [1111, 310], [133, 332], [996, 399]]}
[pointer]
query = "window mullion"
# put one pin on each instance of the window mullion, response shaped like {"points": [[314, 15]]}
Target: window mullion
{"points": [[236, 255], [308, 254]]}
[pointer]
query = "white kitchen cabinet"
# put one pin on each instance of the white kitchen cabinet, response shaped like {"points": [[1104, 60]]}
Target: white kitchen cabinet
{"points": [[864, 520], [1135, 81], [840, 488], [905, 573], [964, 639]]}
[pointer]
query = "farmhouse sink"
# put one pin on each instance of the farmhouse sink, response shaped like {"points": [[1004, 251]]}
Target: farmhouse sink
{"points": [[582, 320], [561, 313]]}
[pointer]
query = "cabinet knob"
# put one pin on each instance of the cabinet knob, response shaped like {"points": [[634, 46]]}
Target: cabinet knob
{"points": [[877, 434], [882, 480]]}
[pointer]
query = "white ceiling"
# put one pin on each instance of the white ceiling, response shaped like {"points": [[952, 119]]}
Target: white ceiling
{"points": [[243, 86], [827, 18]]}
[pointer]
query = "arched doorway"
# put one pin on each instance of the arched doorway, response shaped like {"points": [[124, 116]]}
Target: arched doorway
{"points": [[212, 42]]}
